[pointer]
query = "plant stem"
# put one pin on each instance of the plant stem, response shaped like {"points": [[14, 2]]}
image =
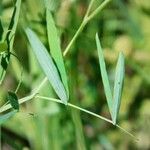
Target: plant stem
{"points": [[85, 21], [89, 9], [75, 37], [27, 98], [127, 132], [88, 112], [76, 107], [97, 10]]}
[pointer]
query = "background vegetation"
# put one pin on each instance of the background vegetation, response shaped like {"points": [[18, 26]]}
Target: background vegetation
{"points": [[40, 124]]}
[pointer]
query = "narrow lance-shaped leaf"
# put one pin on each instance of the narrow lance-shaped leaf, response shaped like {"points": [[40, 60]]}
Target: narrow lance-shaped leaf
{"points": [[55, 49], [118, 85], [104, 75], [47, 65], [13, 99], [5, 117]]}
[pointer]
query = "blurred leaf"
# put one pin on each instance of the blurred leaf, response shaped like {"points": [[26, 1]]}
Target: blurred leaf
{"points": [[52, 5], [55, 49], [134, 27], [4, 62], [5, 117], [119, 78], [13, 25], [13, 99], [47, 65], [11, 33], [1, 30], [104, 75], [105, 142], [3, 46]]}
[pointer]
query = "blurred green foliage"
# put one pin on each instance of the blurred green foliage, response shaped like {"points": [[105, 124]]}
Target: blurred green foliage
{"points": [[43, 125]]}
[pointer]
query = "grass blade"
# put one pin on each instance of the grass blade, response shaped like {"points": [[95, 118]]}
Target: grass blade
{"points": [[104, 75], [47, 65], [118, 85], [55, 49], [5, 117]]}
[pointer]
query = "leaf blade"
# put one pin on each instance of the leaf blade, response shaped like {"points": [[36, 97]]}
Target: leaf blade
{"points": [[104, 75], [47, 65], [118, 86], [5, 117], [55, 49]]}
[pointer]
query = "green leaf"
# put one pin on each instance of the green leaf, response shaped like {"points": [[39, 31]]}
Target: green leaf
{"points": [[5, 117], [104, 75], [55, 49], [1, 30], [47, 65], [13, 25], [13, 99], [3, 46], [11, 34], [118, 85], [52, 5]]}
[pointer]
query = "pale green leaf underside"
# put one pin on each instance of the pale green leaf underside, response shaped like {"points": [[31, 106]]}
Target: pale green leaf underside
{"points": [[113, 99], [5, 117], [47, 65], [118, 85], [104, 75], [55, 49]]}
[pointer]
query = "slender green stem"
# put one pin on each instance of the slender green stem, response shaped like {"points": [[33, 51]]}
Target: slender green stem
{"points": [[88, 112], [76, 107], [127, 132], [75, 37], [89, 9], [20, 81], [22, 100], [27, 98], [84, 22], [97, 10]]}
